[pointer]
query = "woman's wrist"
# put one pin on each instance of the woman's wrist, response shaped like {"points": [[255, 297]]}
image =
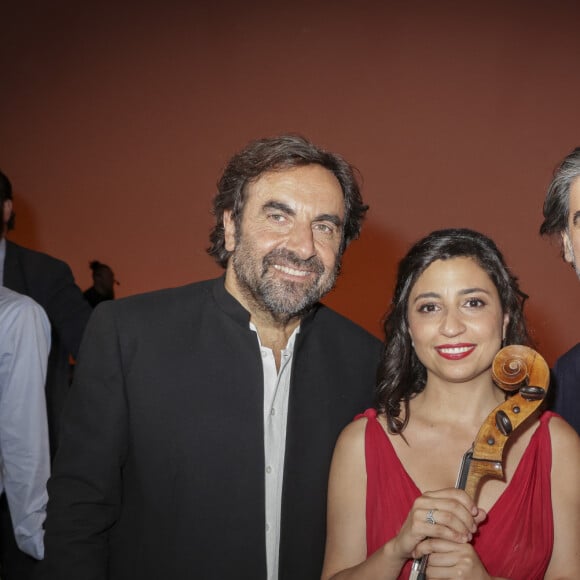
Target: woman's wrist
{"points": [[392, 554]]}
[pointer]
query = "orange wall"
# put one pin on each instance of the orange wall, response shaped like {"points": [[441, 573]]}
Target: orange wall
{"points": [[116, 119]]}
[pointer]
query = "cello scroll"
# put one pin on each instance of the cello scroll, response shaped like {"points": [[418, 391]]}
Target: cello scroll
{"points": [[515, 367]]}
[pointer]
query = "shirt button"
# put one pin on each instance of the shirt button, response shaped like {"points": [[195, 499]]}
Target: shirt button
{"points": [[267, 527], [268, 469], [273, 411], [264, 353]]}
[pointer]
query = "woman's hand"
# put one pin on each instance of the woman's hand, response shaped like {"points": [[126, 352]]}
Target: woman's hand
{"points": [[448, 514], [451, 560]]}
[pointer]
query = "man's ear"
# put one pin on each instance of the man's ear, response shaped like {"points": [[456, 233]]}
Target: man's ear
{"points": [[567, 247], [6, 211], [229, 231]]}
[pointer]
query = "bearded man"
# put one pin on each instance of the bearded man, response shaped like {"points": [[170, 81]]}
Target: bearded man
{"points": [[198, 435]]}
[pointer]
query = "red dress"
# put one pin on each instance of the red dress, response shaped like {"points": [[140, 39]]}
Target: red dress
{"points": [[516, 539]]}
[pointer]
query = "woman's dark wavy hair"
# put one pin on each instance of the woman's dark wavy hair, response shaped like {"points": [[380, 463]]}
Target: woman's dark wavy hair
{"points": [[278, 154], [401, 375]]}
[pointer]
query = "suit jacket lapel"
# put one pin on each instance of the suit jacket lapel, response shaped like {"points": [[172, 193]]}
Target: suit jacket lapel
{"points": [[13, 277]]}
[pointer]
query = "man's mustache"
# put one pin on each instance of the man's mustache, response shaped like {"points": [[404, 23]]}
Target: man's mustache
{"points": [[285, 257]]}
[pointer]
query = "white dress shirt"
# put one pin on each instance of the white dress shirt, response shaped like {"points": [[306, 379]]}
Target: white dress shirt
{"points": [[2, 258], [276, 394], [24, 449]]}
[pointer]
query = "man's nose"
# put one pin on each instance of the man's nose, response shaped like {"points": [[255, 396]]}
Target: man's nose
{"points": [[301, 241]]}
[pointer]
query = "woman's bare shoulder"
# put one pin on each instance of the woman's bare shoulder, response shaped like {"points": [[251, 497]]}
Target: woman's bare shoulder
{"points": [[564, 438], [353, 434]]}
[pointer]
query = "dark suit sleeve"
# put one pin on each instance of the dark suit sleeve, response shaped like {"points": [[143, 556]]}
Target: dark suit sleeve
{"points": [[566, 378], [66, 307], [85, 488]]}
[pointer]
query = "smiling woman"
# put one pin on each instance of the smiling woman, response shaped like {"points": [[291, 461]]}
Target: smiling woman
{"points": [[404, 375], [456, 321], [455, 303]]}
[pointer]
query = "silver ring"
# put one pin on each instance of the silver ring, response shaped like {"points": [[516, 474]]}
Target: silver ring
{"points": [[430, 517]]}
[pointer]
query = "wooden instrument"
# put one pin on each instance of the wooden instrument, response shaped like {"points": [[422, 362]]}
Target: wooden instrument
{"points": [[515, 368]]}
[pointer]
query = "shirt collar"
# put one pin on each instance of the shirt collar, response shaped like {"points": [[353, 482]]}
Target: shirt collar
{"points": [[289, 345]]}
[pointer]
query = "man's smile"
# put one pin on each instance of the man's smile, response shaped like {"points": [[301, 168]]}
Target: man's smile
{"points": [[292, 271]]}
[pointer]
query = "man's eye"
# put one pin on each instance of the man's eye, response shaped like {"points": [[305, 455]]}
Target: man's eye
{"points": [[324, 228], [277, 217]]}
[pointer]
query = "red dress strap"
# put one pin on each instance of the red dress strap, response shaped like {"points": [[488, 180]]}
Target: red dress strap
{"points": [[516, 539]]}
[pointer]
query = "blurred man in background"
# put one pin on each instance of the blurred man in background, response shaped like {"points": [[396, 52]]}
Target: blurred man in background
{"points": [[50, 283], [103, 287], [24, 450]]}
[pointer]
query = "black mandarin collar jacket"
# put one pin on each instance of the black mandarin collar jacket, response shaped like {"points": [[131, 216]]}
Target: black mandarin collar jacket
{"points": [[160, 473]]}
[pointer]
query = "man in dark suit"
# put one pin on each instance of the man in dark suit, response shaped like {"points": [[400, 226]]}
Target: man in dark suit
{"points": [[199, 431], [562, 218], [50, 283]]}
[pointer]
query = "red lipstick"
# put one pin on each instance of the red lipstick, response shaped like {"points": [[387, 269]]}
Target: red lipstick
{"points": [[455, 351]]}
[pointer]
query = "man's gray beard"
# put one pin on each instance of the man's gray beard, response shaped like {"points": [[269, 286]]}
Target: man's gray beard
{"points": [[282, 299]]}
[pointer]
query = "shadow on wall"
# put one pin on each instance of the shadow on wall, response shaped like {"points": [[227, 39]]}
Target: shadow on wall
{"points": [[364, 288]]}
